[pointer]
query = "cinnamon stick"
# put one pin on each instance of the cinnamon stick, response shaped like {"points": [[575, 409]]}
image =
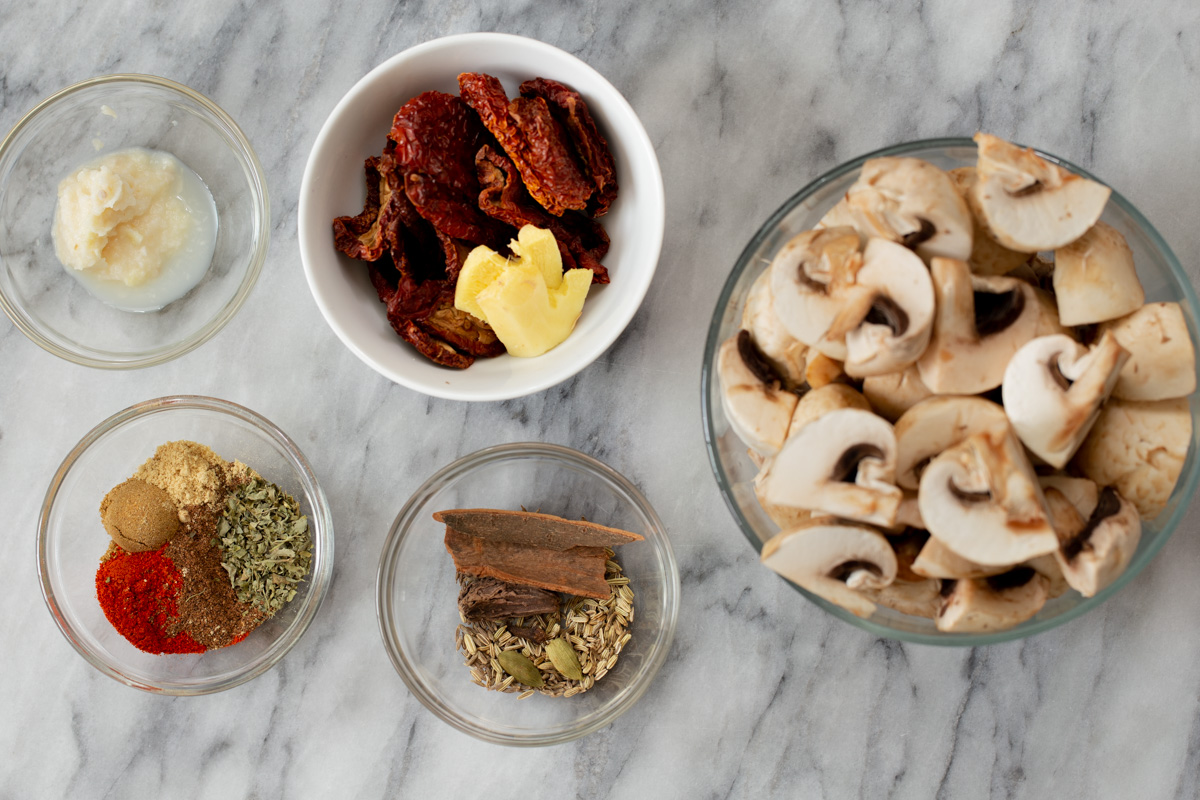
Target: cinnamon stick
{"points": [[531, 528], [574, 570]]}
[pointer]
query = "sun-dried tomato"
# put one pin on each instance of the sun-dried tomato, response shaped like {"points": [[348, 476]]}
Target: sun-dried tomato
{"points": [[533, 139], [590, 144], [361, 237], [453, 214], [437, 134], [581, 241], [460, 329], [384, 278], [433, 348]]}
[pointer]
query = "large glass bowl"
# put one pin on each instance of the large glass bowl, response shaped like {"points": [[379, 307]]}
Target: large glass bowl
{"points": [[71, 540], [417, 591], [77, 125], [1160, 274]]}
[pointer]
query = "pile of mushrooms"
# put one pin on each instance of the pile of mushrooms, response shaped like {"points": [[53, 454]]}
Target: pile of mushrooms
{"points": [[960, 404]]}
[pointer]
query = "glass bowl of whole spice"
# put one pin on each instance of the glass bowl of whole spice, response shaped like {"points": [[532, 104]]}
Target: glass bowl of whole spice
{"points": [[184, 545], [514, 491]]}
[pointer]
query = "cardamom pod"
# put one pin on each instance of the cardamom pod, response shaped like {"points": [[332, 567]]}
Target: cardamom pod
{"points": [[563, 657], [521, 668]]}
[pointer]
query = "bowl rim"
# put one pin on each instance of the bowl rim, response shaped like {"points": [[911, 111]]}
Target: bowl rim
{"points": [[402, 525], [251, 168], [1189, 475], [637, 137], [321, 519]]}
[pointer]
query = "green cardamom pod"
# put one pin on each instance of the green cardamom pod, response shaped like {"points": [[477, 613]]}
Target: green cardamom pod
{"points": [[521, 668], [563, 657]]}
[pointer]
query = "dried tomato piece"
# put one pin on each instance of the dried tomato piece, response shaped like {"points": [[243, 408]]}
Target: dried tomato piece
{"points": [[533, 139], [384, 278], [452, 214], [361, 237], [437, 134], [590, 144], [463, 331], [433, 348], [581, 241]]}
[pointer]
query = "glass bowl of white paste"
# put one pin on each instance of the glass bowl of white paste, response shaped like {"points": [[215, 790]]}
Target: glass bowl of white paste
{"points": [[105, 324]]}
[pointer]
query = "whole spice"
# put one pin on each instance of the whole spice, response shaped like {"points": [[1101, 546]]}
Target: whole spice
{"points": [[138, 592], [521, 668], [265, 544], [563, 657]]}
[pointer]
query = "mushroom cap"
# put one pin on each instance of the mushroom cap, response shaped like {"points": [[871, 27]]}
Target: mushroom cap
{"points": [[886, 325], [785, 352], [1138, 447], [758, 408], [842, 463], [1095, 279], [1093, 556], [785, 517], [1162, 360], [988, 257], [981, 498], [819, 402], [810, 276], [912, 202], [834, 560], [937, 424], [979, 605], [979, 323], [1053, 390], [893, 394], [1029, 204]]}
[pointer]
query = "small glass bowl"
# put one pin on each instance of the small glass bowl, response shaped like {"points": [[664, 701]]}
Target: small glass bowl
{"points": [[77, 125], [1161, 275], [417, 591], [71, 540]]}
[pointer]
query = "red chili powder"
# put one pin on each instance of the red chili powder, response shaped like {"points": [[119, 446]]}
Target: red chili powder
{"points": [[139, 593]]}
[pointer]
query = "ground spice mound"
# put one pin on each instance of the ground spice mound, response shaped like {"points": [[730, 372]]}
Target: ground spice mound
{"points": [[138, 593], [190, 473]]}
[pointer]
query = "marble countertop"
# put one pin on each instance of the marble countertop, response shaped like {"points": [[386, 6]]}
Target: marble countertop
{"points": [[763, 694]]}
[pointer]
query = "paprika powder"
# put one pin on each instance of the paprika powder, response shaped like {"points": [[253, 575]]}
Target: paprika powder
{"points": [[139, 593]]}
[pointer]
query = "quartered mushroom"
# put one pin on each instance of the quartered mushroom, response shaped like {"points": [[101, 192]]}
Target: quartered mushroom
{"points": [[1029, 204], [1083, 494], [979, 323], [1094, 278], [1048, 323], [1053, 390], [785, 352], [893, 394], [988, 256], [979, 605], [940, 562], [982, 500], [822, 370], [785, 517], [834, 560], [757, 406], [843, 462], [1138, 448], [1094, 550], [1162, 361], [810, 277], [933, 426], [886, 323], [921, 598], [913, 203]]}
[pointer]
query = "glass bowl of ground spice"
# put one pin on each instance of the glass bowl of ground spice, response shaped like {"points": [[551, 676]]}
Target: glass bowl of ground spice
{"points": [[619, 641], [184, 545]]}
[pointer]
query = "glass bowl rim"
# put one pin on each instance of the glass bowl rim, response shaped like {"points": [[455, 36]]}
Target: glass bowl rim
{"points": [[1189, 476], [251, 166], [400, 529], [321, 519]]}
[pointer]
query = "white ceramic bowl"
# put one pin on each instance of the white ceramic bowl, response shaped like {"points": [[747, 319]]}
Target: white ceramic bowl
{"points": [[333, 186]]}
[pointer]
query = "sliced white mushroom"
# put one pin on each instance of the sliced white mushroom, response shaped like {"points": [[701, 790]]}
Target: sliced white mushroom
{"points": [[988, 256], [982, 500], [997, 603], [841, 215], [1053, 390], [979, 323], [886, 325], [936, 560], [822, 370], [908, 515], [810, 278], [1094, 552], [1083, 494], [1048, 323], [1047, 566], [757, 406], [785, 352], [819, 402], [843, 463], [786, 517], [912, 202], [1029, 204], [1162, 360], [893, 394], [1138, 448], [834, 560], [1094, 278], [918, 598], [937, 424]]}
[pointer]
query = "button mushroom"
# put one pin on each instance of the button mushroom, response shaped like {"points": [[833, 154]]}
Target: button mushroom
{"points": [[1094, 552], [784, 351], [980, 322], [810, 277], [1081, 492], [1162, 361], [1094, 278], [893, 394], [979, 605], [936, 560], [822, 370], [834, 560], [937, 424], [982, 500], [919, 598], [1053, 390], [912, 202], [757, 406], [1029, 204], [988, 257], [1138, 448]]}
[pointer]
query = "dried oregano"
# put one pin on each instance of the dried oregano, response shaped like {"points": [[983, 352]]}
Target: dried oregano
{"points": [[265, 544]]}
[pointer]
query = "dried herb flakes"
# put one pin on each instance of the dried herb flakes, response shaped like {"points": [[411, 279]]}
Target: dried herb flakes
{"points": [[265, 544]]}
